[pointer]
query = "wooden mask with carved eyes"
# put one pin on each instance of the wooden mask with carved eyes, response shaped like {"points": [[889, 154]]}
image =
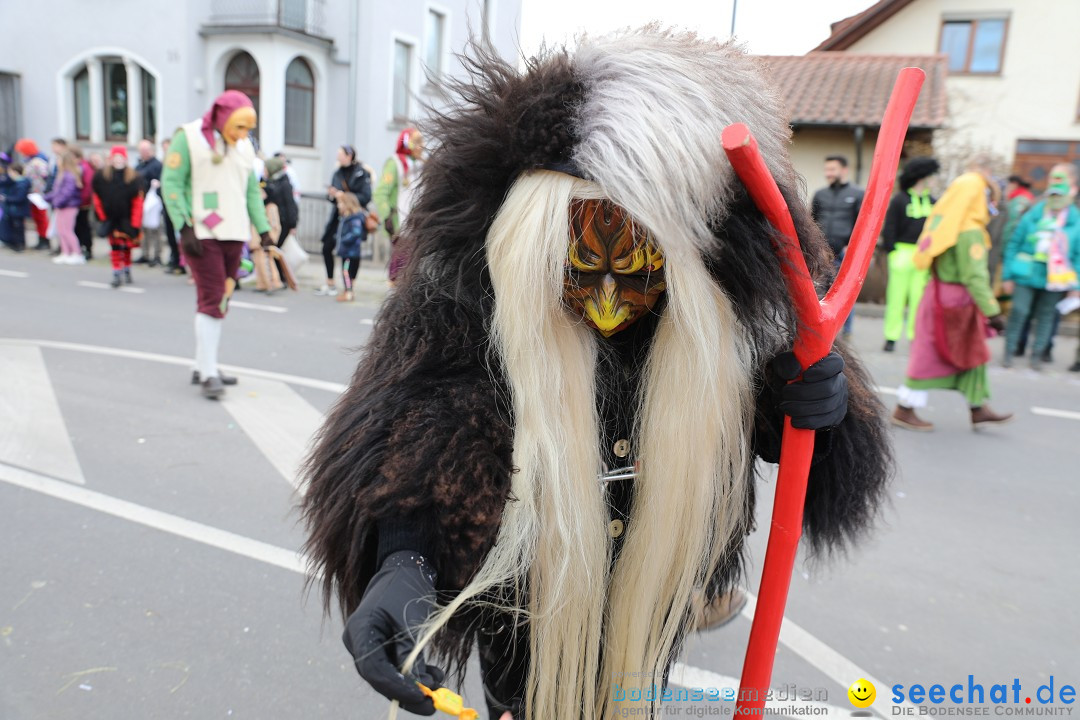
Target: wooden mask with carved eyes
{"points": [[614, 269]]}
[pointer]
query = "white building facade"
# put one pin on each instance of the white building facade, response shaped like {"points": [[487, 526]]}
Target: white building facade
{"points": [[322, 73]]}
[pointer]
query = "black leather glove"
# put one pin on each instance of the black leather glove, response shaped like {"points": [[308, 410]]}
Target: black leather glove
{"points": [[265, 241], [817, 401], [381, 633], [189, 243], [997, 322]]}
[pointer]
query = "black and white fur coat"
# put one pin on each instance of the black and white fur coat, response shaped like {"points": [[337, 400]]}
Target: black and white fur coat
{"points": [[481, 412]]}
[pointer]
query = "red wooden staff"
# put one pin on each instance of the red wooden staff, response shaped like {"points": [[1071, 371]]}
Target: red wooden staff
{"points": [[818, 325]]}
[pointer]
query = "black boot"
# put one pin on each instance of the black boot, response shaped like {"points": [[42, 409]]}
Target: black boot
{"points": [[890, 345], [127, 276], [115, 279], [225, 379], [212, 388]]}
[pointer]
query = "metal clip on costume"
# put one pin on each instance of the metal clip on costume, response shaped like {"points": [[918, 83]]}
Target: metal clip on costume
{"points": [[819, 322]]}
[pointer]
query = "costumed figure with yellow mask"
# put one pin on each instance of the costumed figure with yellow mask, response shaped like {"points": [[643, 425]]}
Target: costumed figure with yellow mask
{"points": [[211, 194], [958, 307], [548, 448]]}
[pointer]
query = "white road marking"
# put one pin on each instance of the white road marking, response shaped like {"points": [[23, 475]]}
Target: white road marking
{"points": [[277, 420], [257, 306], [885, 391], [313, 383], [34, 435], [682, 674], [107, 286], [173, 524], [14, 273], [798, 640], [367, 321], [688, 676], [821, 656], [1051, 412]]}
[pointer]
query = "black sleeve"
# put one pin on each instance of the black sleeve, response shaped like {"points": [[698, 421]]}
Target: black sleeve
{"points": [[289, 203], [859, 195], [891, 228], [335, 181], [417, 451], [363, 189], [852, 463]]}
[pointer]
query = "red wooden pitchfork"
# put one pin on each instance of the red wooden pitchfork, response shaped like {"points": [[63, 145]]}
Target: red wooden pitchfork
{"points": [[818, 324]]}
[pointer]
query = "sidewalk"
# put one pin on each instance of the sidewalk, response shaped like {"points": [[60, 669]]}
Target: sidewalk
{"points": [[371, 283]]}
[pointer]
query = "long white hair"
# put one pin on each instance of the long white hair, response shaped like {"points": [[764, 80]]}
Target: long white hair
{"points": [[655, 104], [695, 409]]}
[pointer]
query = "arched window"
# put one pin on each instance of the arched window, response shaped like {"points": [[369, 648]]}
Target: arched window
{"points": [[82, 104], [113, 98], [116, 99], [299, 104], [242, 73]]}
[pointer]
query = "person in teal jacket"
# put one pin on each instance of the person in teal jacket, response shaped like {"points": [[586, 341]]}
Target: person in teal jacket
{"points": [[1040, 264]]}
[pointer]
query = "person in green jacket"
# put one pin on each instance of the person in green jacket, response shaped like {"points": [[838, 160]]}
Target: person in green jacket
{"points": [[211, 193], [393, 195], [953, 247], [1041, 261]]}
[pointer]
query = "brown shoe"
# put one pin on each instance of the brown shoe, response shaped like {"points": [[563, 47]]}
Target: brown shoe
{"points": [[906, 418], [985, 416], [719, 612]]}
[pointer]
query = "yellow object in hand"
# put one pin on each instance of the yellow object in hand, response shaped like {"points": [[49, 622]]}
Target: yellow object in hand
{"points": [[449, 702]]}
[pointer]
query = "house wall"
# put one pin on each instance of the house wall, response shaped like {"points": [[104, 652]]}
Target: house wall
{"points": [[1035, 96], [384, 22], [810, 147], [169, 40]]}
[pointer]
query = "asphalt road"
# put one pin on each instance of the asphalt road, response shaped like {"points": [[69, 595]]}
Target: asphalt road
{"points": [[148, 537]]}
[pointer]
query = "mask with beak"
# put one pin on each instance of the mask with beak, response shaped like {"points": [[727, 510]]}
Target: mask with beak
{"points": [[614, 270]]}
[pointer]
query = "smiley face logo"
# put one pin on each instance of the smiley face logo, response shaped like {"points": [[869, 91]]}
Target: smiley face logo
{"points": [[862, 693]]}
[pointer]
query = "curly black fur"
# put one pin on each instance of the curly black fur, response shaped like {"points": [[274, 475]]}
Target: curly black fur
{"points": [[424, 434], [502, 124], [853, 462]]}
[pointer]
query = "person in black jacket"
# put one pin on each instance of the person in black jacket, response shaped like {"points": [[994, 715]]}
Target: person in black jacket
{"points": [[350, 177], [904, 221], [279, 192], [835, 208]]}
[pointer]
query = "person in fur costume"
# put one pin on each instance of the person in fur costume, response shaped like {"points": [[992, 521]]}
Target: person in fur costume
{"points": [[548, 447]]}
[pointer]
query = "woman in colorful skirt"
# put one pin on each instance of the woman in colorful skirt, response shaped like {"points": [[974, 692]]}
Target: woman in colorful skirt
{"points": [[949, 351]]}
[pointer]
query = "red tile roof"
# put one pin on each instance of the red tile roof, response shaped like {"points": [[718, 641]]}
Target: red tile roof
{"points": [[847, 31], [846, 89]]}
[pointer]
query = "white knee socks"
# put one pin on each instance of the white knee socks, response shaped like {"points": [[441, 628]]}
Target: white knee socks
{"points": [[207, 339], [912, 398]]}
